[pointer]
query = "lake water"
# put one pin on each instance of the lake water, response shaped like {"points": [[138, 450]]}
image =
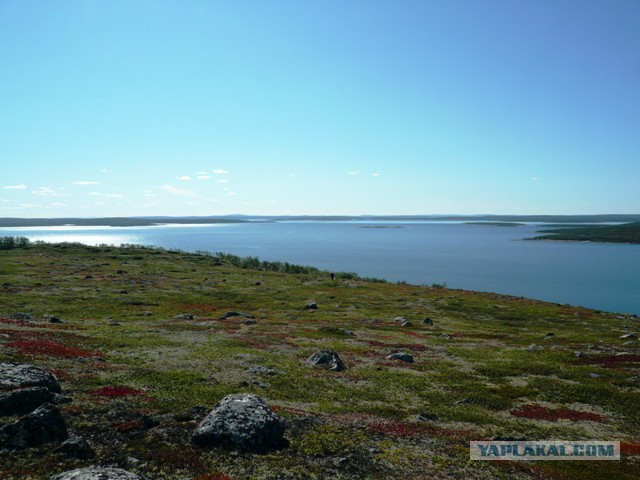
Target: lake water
{"points": [[473, 257]]}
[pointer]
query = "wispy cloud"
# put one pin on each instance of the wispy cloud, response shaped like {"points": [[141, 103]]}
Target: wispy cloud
{"points": [[82, 182], [178, 191], [203, 177], [58, 205], [49, 192], [219, 171], [353, 173], [106, 195], [29, 205], [535, 179], [376, 174], [184, 178], [15, 187], [223, 181]]}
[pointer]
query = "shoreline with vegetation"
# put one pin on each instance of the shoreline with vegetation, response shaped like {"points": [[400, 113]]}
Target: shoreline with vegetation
{"points": [[628, 233]]}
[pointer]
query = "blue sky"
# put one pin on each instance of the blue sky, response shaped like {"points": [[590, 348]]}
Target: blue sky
{"points": [[319, 107]]}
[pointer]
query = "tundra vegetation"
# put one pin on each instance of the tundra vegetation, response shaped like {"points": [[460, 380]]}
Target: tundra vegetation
{"points": [[146, 341]]}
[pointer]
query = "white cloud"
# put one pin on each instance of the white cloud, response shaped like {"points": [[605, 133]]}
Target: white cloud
{"points": [[85, 183], [376, 174], [106, 195], [49, 192], [29, 205], [184, 178], [178, 191], [203, 177], [223, 181], [15, 187], [535, 178], [353, 173], [58, 205], [219, 171], [104, 170], [233, 193]]}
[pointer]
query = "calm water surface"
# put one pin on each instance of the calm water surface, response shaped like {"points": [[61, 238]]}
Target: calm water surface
{"points": [[474, 257]]}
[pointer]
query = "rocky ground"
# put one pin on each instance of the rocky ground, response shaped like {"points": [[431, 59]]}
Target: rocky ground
{"points": [[125, 363]]}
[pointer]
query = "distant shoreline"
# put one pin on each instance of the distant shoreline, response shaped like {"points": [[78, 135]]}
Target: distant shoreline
{"points": [[497, 220]]}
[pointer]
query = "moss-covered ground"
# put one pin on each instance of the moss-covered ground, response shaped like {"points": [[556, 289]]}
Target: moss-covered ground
{"points": [[137, 370]]}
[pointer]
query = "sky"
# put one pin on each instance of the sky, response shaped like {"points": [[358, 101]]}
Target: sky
{"points": [[133, 108]]}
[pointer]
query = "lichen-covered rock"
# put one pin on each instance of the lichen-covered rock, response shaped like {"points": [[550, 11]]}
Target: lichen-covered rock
{"points": [[243, 422], [77, 447], [97, 473], [43, 425], [327, 359], [19, 402], [14, 376], [405, 357]]}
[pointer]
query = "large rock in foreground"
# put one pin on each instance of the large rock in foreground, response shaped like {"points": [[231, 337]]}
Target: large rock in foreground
{"points": [[97, 473], [14, 376], [25, 400], [327, 359], [241, 421], [43, 425]]}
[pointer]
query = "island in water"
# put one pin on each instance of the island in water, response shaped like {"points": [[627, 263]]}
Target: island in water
{"points": [[623, 233]]}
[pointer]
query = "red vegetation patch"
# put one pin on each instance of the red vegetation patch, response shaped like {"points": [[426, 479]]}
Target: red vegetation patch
{"points": [[51, 349], [14, 322], [538, 412], [630, 448], [611, 361], [116, 391]]}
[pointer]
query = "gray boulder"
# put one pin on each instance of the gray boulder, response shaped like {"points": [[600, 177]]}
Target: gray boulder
{"points": [[241, 421], [14, 376], [43, 425], [19, 402], [77, 447], [427, 321], [405, 357], [327, 359], [97, 473]]}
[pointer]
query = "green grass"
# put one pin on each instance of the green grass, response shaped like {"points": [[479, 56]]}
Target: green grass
{"points": [[122, 303]]}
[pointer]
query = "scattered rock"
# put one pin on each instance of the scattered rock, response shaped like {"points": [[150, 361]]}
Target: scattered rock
{"points": [[446, 336], [14, 376], [19, 402], [595, 375], [460, 402], [629, 343], [578, 354], [120, 272], [426, 417], [259, 370], [311, 306], [406, 323], [400, 319], [535, 348], [629, 336], [549, 335], [97, 473], [52, 319], [249, 321], [257, 284], [183, 316], [349, 333], [327, 359], [235, 314], [43, 425], [241, 421], [405, 357], [77, 447], [427, 321]]}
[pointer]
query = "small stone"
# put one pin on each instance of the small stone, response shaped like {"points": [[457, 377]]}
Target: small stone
{"points": [[348, 332], [595, 375], [249, 321], [405, 357], [535, 348], [400, 319], [52, 319], [446, 336], [259, 370], [629, 343], [235, 314], [629, 336], [426, 417], [183, 316], [427, 321], [406, 323], [578, 354], [311, 306], [327, 359], [549, 335], [77, 447]]}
